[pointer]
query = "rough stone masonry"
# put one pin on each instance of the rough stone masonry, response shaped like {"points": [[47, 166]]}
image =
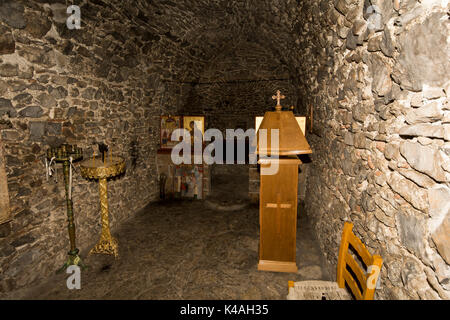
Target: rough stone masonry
{"points": [[381, 136], [375, 73]]}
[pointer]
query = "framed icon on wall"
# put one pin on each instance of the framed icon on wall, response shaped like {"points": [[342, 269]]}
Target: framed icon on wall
{"points": [[193, 123], [168, 125], [188, 181]]}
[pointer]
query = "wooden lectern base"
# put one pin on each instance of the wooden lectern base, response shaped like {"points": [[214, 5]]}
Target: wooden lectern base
{"points": [[277, 266]]}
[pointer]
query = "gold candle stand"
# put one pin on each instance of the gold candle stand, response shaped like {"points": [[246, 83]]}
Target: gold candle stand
{"points": [[101, 171]]}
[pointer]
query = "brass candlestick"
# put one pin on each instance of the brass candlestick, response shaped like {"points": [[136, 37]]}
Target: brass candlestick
{"points": [[101, 171], [63, 154]]}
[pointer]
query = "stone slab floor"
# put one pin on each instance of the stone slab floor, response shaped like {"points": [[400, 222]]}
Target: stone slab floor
{"points": [[186, 250]]}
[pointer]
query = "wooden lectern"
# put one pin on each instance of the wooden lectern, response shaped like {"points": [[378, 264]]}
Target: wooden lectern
{"points": [[278, 189]]}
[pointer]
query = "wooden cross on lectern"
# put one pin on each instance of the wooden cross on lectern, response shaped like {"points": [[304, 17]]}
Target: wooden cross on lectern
{"points": [[278, 206], [278, 97]]}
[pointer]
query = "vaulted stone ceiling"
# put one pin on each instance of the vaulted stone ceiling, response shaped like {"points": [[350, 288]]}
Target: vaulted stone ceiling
{"points": [[380, 96], [195, 32]]}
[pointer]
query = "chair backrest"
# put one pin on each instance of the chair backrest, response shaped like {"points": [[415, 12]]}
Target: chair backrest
{"points": [[367, 280]]}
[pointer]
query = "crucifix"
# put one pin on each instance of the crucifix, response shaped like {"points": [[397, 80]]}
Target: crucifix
{"points": [[278, 97]]}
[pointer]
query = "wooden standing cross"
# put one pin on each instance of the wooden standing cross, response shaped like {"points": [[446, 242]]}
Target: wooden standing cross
{"points": [[278, 97]]}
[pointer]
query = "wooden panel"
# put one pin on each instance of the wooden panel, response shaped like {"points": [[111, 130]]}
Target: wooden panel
{"points": [[278, 213], [277, 266], [281, 161], [300, 120]]}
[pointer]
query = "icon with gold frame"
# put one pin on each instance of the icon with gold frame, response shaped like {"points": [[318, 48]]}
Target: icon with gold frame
{"points": [[191, 123], [168, 125]]}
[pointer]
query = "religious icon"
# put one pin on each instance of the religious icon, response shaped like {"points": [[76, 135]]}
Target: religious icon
{"points": [[189, 181], [168, 125], [195, 126]]}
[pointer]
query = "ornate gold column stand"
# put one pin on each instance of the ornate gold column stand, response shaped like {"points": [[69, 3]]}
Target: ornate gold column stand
{"points": [[102, 170]]}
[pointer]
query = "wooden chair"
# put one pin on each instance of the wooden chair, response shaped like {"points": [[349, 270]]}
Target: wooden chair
{"points": [[361, 283]]}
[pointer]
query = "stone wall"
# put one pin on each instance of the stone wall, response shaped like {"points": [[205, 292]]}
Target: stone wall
{"points": [[378, 82], [235, 87], [238, 85], [82, 86], [380, 90]]}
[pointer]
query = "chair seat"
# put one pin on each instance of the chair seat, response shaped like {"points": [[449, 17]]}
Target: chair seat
{"points": [[316, 289]]}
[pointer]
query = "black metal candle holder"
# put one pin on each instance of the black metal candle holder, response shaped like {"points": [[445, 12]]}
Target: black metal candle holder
{"points": [[63, 154]]}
